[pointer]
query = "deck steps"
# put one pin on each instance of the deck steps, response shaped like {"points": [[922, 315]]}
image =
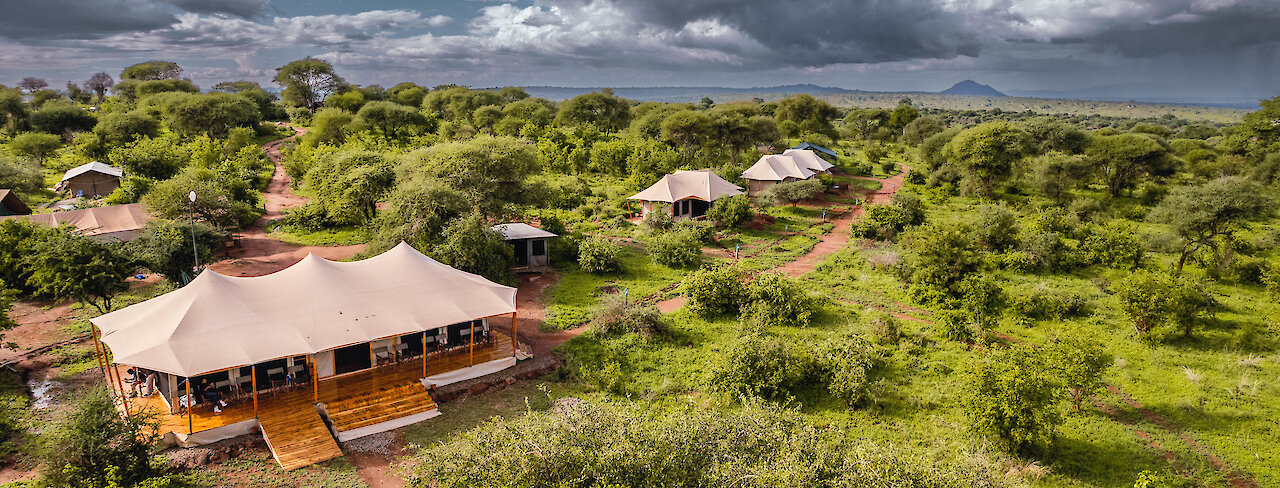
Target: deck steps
{"points": [[298, 438], [379, 406]]}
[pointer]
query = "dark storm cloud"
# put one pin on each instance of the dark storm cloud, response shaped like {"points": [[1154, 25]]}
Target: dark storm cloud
{"points": [[72, 19], [246, 9], [1226, 29], [827, 32]]}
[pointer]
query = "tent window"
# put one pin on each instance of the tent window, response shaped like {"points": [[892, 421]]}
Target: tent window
{"points": [[540, 247], [352, 358]]}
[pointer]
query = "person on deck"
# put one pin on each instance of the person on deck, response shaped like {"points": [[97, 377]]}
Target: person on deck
{"points": [[210, 393]]}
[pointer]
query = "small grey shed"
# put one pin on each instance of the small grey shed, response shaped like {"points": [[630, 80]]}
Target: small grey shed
{"points": [[529, 243]]}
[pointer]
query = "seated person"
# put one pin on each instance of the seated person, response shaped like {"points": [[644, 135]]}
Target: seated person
{"points": [[149, 384], [212, 394], [135, 375]]}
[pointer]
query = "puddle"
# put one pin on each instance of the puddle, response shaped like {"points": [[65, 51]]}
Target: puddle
{"points": [[42, 393]]}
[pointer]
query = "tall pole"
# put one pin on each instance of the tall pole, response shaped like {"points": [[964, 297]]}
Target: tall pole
{"points": [[515, 344], [195, 253], [471, 351], [191, 405], [424, 354], [253, 371]]}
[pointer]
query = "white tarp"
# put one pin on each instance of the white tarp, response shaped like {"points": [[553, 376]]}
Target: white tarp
{"points": [[469, 372], [700, 184], [218, 321], [809, 159], [776, 167]]}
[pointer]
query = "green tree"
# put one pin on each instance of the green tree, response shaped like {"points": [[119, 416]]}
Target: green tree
{"points": [[1080, 362], [1203, 215], [775, 300], [215, 204], [20, 174], [152, 70], [901, 116], [350, 100], [1155, 299], [793, 192], [491, 171], [97, 447], [809, 113], [67, 266], [213, 114], [921, 128], [987, 155], [601, 109], [417, 212], [1056, 173], [731, 212], [394, 120], [18, 239], [125, 127], [715, 291], [942, 255], [470, 244], [62, 117], [687, 130], [598, 255], [1122, 159], [1052, 135], [155, 158], [349, 185], [1114, 244], [147, 88], [306, 82], [165, 247], [32, 84], [35, 145], [996, 228], [329, 126], [1011, 395], [13, 111]]}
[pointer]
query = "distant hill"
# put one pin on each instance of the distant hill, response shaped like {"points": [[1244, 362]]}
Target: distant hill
{"points": [[971, 88]]}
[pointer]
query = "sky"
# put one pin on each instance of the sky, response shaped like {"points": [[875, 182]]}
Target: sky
{"points": [[1157, 48]]}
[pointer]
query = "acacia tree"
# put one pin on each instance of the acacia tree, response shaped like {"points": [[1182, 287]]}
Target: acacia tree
{"points": [[69, 266], [165, 247], [31, 84], [1155, 299], [986, 155], [687, 130], [1080, 362], [1206, 215], [99, 83], [1056, 173], [392, 119], [1011, 395], [152, 70], [601, 109], [1122, 158], [308, 81], [470, 244]]}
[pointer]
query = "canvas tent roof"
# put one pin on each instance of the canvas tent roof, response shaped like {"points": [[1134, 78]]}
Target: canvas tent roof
{"points": [[11, 201], [96, 221], [776, 167], [815, 147], [700, 184], [808, 159], [218, 322], [95, 167], [521, 230]]}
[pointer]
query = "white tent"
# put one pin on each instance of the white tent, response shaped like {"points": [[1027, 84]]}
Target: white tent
{"points": [[775, 167], [683, 187], [121, 222], [218, 321], [809, 159]]}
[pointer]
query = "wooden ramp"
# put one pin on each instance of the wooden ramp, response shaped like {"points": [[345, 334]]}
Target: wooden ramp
{"points": [[382, 405], [298, 438]]}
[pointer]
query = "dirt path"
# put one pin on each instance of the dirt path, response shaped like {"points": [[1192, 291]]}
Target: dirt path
{"points": [[838, 238]]}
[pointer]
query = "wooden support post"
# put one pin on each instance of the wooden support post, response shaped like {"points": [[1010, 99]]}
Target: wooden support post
{"points": [[253, 371], [315, 381], [471, 351], [424, 354], [191, 405], [124, 398], [97, 351], [515, 344]]}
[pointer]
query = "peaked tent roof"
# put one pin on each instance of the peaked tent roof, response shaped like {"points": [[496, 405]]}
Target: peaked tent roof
{"points": [[218, 322], [95, 167], [776, 167], [809, 160], [700, 184], [94, 221], [11, 201], [815, 147], [521, 230]]}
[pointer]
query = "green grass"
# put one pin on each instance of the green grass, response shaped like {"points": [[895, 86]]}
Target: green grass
{"points": [[575, 298], [341, 236], [471, 411], [264, 472]]}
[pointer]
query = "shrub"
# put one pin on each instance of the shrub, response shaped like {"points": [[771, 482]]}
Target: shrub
{"points": [[762, 367], [1155, 299], [1012, 396], [311, 216], [95, 446], [715, 291], [997, 227], [702, 231], [793, 192], [657, 220], [621, 316], [847, 364], [598, 255], [676, 249], [1046, 302], [731, 212], [1113, 244], [774, 300]]}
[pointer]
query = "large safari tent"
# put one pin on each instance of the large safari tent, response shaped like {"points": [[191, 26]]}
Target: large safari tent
{"points": [[10, 204], [110, 223], [90, 180], [690, 193], [791, 165], [357, 344]]}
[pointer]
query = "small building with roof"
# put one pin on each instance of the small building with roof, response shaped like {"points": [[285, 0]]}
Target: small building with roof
{"points": [[530, 244], [10, 204], [93, 179], [116, 222], [814, 147], [690, 193]]}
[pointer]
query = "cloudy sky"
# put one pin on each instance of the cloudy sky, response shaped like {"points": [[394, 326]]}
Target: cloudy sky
{"points": [[1165, 48]]}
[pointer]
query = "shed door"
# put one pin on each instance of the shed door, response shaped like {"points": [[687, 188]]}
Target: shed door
{"points": [[522, 252]]}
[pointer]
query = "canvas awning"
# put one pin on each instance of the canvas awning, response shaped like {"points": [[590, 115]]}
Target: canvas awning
{"points": [[776, 167], [119, 221], [808, 159], [218, 322], [521, 230], [700, 184]]}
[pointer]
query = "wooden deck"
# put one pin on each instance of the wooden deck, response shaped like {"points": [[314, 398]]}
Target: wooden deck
{"points": [[352, 401]]}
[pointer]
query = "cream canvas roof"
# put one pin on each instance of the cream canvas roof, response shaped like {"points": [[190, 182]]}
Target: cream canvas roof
{"points": [[218, 322], [87, 167], [776, 167], [521, 230], [809, 159], [122, 220], [700, 184]]}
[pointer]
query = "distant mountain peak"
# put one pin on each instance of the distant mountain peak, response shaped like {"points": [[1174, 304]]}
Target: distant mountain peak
{"points": [[970, 87]]}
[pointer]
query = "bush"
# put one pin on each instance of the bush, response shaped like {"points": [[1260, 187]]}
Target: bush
{"points": [[1046, 302], [775, 300], [621, 316], [731, 212], [702, 231], [35, 145], [17, 174], [997, 228], [847, 364], [598, 255], [1011, 395], [658, 220], [793, 192], [1156, 299], [94, 446], [1114, 244], [759, 366], [311, 216], [715, 291], [676, 249]]}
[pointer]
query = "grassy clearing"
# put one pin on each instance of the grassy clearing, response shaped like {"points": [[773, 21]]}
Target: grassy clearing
{"points": [[574, 299]]}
